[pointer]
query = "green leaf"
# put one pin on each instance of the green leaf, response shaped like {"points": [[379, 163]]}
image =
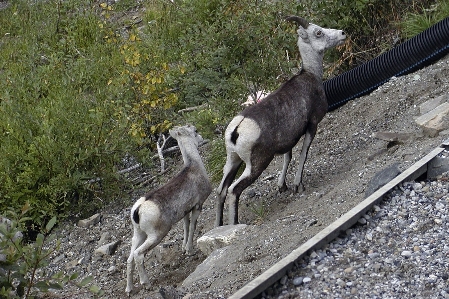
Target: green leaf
{"points": [[50, 224], [55, 286], [94, 289], [85, 281], [73, 276], [43, 286], [39, 239], [23, 219], [58, 275], [3, 229]]}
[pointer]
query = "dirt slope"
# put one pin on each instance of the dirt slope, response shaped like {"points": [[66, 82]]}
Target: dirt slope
{"points": [[344, 156]]}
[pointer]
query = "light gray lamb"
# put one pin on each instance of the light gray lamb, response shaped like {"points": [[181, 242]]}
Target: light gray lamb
{"points": [[182, 197]]}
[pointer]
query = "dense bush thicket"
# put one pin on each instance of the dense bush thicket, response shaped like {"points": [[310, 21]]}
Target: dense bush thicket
{"points": [[373, 25], [81, 87]]}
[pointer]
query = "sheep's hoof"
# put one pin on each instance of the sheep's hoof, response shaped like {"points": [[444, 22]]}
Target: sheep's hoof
{"points": [[145, 283], [128, 291], [299, 189], [283, 188]]}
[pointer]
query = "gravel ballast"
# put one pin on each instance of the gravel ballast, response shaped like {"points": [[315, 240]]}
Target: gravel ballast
{"points": [[400, 249]]}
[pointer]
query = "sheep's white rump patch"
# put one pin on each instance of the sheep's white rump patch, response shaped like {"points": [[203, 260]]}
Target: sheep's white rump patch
{"points": [[148, 208], [248, 130]]}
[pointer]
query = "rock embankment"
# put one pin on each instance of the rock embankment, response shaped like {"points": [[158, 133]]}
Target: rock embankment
{"points": [[354, 143], [398, 250]]}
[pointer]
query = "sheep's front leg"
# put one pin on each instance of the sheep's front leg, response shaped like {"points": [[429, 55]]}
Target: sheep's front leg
{"points": [[298, 185], [281, 182], [186, 231], [193, 220]]}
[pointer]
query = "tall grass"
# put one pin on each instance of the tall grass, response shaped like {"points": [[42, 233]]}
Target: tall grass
{"points": [[415, 23]]}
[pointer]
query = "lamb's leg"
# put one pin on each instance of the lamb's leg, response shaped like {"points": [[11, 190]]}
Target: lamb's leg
{"points": [[310, 134], [281, 182], [195, 213], [139, 254], [230, 169], [186, 230], [137, 240]]}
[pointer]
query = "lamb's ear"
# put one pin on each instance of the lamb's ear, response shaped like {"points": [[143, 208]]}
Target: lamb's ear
{"points": [[172, 133], [302, 33]]}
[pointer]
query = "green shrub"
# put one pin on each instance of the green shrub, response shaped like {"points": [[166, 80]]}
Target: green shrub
{"points": [[22, 262], [215, 159], [61, 124], [227, 48], [415, 23]]}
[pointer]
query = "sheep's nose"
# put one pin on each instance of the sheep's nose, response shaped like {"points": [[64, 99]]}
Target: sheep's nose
{"points": [[343, 33]]}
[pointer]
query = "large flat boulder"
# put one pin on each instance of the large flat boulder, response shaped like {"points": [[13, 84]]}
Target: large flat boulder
{"points": [[431, 104], [219, 237], [217, 262], [434, 121]]}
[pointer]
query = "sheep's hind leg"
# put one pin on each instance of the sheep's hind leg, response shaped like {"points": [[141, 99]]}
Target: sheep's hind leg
{"points": [[139, 254], [298, 185], [230, 170], [137, 240], [249, 175], [282, 186]]}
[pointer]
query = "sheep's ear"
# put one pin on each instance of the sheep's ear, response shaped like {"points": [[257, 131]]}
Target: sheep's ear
{"points": [[172, 133], [302, 33]]}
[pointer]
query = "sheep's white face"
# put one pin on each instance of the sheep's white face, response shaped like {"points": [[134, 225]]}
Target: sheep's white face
{"points": [[320, 38], [186, 131]]}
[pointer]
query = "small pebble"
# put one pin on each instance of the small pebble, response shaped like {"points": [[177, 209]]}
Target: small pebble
{"points": [[298, 281], [406, 253]]}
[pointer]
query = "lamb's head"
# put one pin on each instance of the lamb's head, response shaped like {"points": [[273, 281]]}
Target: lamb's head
{"points": [[188, 131], [316, 37]]}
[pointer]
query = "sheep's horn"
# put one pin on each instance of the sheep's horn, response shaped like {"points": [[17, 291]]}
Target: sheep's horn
{"points": [[300, 21]]}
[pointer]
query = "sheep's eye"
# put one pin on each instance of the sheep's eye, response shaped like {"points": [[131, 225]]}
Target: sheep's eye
{"points": [[319, 33]]}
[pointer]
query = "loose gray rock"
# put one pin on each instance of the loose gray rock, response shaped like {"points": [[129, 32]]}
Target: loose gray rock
{"points": [[219, 237], [107, 249], [381, 178], [92, 220]]}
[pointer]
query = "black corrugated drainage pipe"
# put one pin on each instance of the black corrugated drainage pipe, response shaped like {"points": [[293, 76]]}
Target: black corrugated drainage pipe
{"points": [[417, 52]]}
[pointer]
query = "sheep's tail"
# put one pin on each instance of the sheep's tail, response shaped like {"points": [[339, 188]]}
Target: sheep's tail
{"points": [[135, 217], [234, 125]]}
